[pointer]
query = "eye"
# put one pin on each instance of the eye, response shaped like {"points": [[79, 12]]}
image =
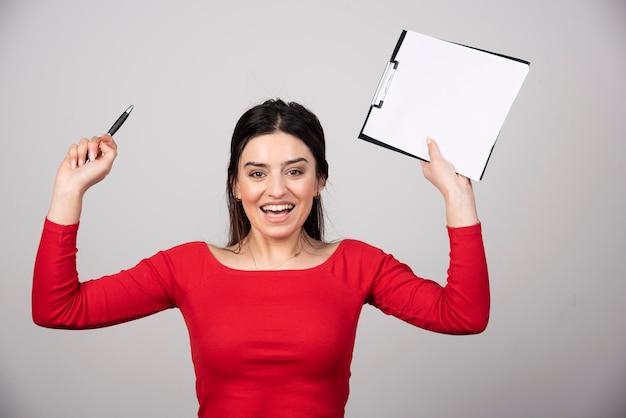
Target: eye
{"points": [[294, 172], [256, 174]]}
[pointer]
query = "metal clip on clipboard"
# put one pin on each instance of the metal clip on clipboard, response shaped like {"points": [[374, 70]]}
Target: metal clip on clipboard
{"points": [[383, 85]]}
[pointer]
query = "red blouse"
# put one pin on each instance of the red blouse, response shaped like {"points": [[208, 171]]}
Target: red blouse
{"points": [[265, 343]]}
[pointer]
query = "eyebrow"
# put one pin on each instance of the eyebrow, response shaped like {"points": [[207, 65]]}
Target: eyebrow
{"points": [[286, 163]]}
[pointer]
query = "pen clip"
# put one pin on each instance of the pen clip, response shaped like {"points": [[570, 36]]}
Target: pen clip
{"points": [[383, 85]]}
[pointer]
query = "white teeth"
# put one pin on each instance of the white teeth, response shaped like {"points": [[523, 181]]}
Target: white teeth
{"points": [[277, 208]]}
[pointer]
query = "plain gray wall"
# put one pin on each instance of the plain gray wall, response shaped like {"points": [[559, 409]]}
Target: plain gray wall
{"points": [[552, 201]]}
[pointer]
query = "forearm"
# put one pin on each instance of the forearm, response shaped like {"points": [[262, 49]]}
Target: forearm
{"points": [[55, 279], [467, 289], [461, 205], [66, 206]]}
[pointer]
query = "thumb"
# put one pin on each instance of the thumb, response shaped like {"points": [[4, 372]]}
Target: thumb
{"points": [[108, 147], [434, 152]]}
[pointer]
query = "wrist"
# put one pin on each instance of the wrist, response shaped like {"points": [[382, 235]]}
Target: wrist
{"points": [[65, 206], [461, 207]]}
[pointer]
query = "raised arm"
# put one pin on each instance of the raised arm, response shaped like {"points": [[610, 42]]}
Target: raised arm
{"points": [[59, 298], [57, 294], [462, 305]]}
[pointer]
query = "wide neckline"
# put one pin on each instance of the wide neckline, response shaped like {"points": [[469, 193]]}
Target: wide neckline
{"points": [[278, 271]]}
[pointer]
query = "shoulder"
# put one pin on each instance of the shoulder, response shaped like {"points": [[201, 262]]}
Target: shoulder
{"points": [[353, 251], [193, 247], [355, 245], [360, 265], [191, 253]]}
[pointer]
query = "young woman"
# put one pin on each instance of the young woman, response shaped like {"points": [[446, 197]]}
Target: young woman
{"points": [[272, 316]]}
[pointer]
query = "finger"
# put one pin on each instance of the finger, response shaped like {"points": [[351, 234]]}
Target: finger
{"points": [[96, 145], [433, 149], [72, 155], [108, 146], [81, 151], [108, 141], [93, 148]]}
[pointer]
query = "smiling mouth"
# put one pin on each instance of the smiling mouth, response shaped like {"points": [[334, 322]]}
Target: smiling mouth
{"points": [[277, 210]]}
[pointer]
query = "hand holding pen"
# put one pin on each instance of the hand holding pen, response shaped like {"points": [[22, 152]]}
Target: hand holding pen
{"points": [[99, 151], [86, 163], [93, 146]]}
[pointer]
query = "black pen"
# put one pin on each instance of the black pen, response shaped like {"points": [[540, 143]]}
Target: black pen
{"points": [[120, 121]]}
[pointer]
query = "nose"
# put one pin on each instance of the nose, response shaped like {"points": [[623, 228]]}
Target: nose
{"points": [[276, 186]]}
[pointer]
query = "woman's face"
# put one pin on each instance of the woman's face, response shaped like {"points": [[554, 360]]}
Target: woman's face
{"points": [[276, 184]]}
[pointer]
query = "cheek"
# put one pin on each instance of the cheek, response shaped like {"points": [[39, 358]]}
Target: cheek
{"points": [[308, 198], [249, 190]]}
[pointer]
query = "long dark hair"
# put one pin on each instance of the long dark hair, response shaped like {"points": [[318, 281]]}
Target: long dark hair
{"points": [[276, 116]]}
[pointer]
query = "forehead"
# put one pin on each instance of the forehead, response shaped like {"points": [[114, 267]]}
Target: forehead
{"points": [[277, 146]]}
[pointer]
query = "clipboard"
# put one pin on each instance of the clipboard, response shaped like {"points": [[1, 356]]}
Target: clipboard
{"points": [[456, 94]]}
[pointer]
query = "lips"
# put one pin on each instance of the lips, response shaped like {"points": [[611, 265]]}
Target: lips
{"points": [[277, 210]]}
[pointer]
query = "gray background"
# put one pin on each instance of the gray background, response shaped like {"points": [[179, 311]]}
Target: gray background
{"points": [[552, 201]]}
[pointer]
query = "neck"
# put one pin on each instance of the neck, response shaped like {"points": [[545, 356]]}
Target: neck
{"points": [[267, 254]]}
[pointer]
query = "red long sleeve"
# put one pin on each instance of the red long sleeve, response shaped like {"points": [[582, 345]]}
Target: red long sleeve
{"points": [[461, 307], [59, 300], [265, 343]]}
